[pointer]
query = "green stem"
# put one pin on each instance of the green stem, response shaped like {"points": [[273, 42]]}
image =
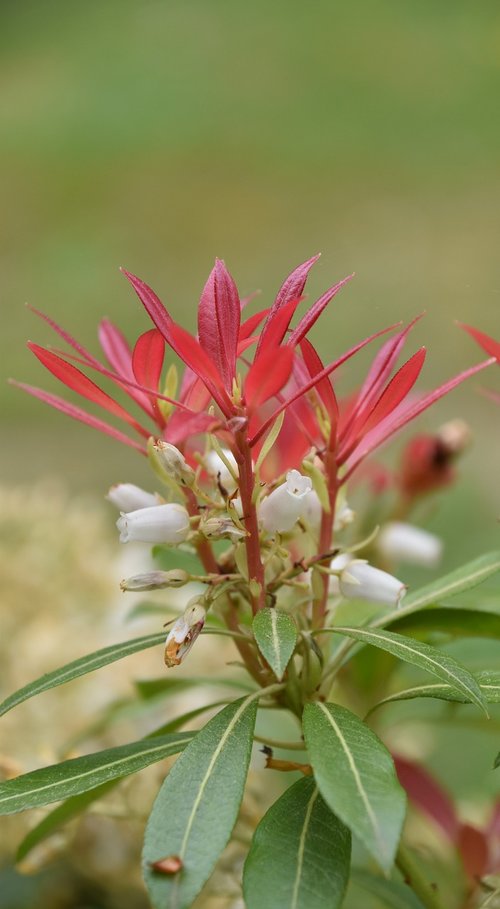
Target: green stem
{"points": [[418, 882]]}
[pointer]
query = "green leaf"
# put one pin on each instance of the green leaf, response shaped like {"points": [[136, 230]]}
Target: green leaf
{"points": [[82, 666], [61, 815], [393, 894], [270, 440], [153, 688], [59, 781], [276, 636], [469, 575], [422, 655], [465, 623], [488, 681], [168, 558], [198, 803], [300, 854], [356, 777]]}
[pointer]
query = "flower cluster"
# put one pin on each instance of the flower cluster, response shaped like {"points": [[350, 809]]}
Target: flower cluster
{"points": [[254, 447]]}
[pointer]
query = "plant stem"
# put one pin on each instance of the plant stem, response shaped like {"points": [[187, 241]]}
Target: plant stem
{"points": [[413, 876], [247, 480], [326, 536]]}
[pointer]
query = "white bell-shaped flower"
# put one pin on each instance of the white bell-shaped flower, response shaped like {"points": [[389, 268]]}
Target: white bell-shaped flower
{"points": [[216, 468], [361, 581], [160, 524], [400, 542], [174, 463], [127, 497], [341, 561], [280, 510]]}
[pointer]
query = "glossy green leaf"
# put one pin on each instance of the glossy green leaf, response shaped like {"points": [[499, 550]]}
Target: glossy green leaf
{"points": [[469, 575], [60, 781], [466, 623], [60, 816], [356, 777], [488, 681], [422, 655], [393, 894], [198, 803], [276, 636], [300, 854], [82, 666]]}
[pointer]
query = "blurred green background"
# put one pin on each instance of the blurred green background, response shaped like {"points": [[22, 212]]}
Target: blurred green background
{"points": [[157, 135]]}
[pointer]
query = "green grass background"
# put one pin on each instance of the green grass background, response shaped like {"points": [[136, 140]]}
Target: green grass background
{"points": [[160, 134]]}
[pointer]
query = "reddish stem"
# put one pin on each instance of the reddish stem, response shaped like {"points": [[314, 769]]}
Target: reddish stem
{"points": [[247, 483], [326, 533]]}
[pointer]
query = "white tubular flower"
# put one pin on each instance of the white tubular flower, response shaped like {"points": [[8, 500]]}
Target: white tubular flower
{"points": [[401, 542], [156, 580], [174, 463], [216, 468], [285, 505], [127, 497], [312, 509], [341, 561], [220, 527], [183, 634], [361, 581], [160, 524]]}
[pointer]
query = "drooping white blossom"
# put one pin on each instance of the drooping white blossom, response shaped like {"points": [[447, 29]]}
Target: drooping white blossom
{"points": [[128, 497], [402, 542], [167, 523], [216, 468], [361, 581], [280, 510]]}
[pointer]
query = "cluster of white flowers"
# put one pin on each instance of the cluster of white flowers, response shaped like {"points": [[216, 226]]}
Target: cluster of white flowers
{"points": [[146, 517]]}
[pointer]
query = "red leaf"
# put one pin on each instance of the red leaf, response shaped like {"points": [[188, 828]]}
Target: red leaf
{"points": [[291, 289], [488, 343], [314, 381], [219, 316], [381, 433], [147, 362], [312, 315], [267, 375], [324, 387], [65, 336], [152, 304], [77, 381], [193, 355], [181, 427], [248, 327], [381, 368], [390, 398], [426, 793], [116, 348], [473, 848], [71, 411], [276, 329]]}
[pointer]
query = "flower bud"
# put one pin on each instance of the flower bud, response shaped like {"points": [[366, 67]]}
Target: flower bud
{"points": [[160, 524], [127, 497], [174, 463], [285, 505], [156, 580], [220, 527], [401, 542], [361, 581], [183, 633], [216, 468]]}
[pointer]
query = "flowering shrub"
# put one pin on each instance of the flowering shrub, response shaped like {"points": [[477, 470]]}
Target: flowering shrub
{"points": [[255, 456]]}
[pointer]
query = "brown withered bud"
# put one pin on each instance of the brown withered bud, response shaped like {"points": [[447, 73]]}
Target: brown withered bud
{"points": [[427, 462]]}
